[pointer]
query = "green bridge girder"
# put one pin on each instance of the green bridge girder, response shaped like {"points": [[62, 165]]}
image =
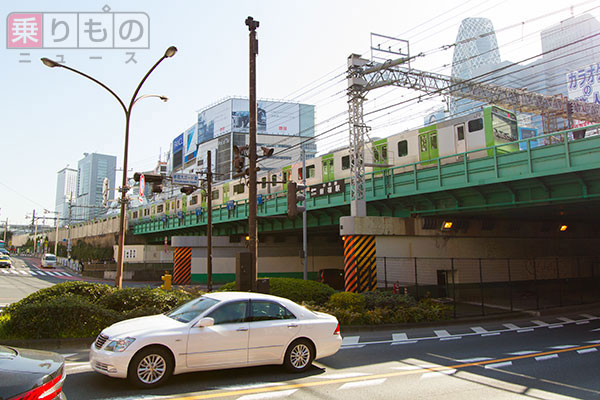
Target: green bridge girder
{"points": [[563, 172]]}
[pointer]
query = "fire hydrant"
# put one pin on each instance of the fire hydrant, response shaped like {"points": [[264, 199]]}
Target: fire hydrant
{"points": [[167, 281]]}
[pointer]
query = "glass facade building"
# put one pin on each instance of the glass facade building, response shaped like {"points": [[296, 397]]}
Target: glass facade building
{"points": [[92, 169]]}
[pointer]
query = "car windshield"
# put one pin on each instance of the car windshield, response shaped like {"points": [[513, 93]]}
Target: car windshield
{"points": [[3, 257], [192, 309], [50, 258]]}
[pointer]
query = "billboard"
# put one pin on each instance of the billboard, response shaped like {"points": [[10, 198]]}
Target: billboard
{"points": [[273, 118], [584, 84], [190, 144], [177, 152]]}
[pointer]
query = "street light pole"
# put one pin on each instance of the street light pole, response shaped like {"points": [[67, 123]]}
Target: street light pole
{"points": [[170, 52], [252, 226]]}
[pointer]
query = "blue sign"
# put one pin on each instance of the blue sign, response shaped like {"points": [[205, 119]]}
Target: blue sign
{"points": [[178, 143], [259, 199], [179, 214], [198, 212], [230, 205]]}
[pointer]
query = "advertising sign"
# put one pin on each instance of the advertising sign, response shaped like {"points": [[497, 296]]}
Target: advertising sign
{"points": [[177, 151], [272, 118], [584, 84], [214, 122], [190, 143]]}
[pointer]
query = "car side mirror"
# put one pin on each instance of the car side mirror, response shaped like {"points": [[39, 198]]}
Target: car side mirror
{"points": [[206, 321]]}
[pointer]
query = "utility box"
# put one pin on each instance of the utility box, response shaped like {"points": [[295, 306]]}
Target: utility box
{"points": [[244, 275], [262, 286]]}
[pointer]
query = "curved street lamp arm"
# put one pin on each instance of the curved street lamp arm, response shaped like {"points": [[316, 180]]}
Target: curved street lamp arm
{"points": [[133, 98], [98, 82], [163, 98]]}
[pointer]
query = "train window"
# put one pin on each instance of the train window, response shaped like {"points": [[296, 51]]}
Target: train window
{"points": [[160, 208], [237, 189], [345, 162], [423, 143], [310, 172], [135, 215], [178, 204], [460, 132], [433, 140], [285, 176], [215, 195], [380, 154], [274, 179], [263, 182], [194, 200], [476, 125], [403, 148]]}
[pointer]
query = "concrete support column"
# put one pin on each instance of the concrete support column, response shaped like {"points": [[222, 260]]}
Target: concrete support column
{"points": [[360, 264], [182, 267]]}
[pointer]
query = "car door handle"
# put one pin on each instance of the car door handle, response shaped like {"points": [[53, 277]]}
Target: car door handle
{"points": [[241, 329], [292, 325]]}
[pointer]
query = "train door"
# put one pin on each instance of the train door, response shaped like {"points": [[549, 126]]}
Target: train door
{"points": [[327, 168], [380, 154], [459, 139], [225, 192], [428, 146], [286, 175]]}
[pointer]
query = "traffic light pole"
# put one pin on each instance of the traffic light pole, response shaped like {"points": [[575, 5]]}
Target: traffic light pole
{"points": [[209, 223], [252, 202]]}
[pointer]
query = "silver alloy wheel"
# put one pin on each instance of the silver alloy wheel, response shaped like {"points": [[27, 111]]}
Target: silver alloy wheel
{"points": [[300, 356], [151, 368]]}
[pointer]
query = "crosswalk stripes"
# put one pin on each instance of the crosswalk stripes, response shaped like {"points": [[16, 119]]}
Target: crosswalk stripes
{"points": [[31, 272]]}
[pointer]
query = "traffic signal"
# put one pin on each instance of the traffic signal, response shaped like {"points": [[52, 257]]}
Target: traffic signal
{"points": [[267, 151], [238, 158], [155, 180], [188, 189], [294, 196]]}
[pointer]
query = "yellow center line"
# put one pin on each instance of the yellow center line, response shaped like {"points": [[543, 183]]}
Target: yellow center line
{"points": [[370, 377]]}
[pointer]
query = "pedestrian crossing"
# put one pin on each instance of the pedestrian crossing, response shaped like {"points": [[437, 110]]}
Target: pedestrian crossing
{"points": [[32, 272]]}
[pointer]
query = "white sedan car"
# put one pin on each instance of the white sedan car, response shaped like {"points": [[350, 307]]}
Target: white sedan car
{"points": [[215, 331]]}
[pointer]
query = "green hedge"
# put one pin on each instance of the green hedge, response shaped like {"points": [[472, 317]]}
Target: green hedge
{"points": [[82, 309], [297, 290]]}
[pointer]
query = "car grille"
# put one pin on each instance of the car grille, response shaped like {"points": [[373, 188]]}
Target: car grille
{"points": [[101, 366], [100, 341]]}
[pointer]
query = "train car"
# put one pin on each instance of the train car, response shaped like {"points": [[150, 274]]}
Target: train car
{"points": [[447, 140], [527, 133]]}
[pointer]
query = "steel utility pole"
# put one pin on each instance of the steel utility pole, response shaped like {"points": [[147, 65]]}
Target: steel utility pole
{"points": [[208, 222], [304, 217], [252, 226]]}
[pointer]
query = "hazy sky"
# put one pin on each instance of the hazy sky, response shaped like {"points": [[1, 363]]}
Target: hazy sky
{"points": [[50, 117]]}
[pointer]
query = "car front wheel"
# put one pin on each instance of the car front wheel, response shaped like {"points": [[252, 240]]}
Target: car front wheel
{"points": [[299, 356], [150, 367]]}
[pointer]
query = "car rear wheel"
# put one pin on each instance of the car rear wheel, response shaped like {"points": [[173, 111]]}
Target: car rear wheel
{"points": [[299, 356], [150, 367]]}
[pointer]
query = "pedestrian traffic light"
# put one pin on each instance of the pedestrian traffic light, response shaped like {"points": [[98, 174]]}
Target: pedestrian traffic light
{"points": [[294, 196], [188, 189]]}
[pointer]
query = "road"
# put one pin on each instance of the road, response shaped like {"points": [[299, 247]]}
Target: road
{"points": [[544, 358]]}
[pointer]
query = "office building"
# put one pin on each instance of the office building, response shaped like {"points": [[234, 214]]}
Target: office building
{"points": [[92, 169], [66, 186]]}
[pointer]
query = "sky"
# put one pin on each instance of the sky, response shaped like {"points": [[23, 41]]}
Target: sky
{"points": [[51, 117]]}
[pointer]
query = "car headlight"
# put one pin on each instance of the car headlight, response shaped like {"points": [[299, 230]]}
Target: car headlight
{"points": [[119, 344]]}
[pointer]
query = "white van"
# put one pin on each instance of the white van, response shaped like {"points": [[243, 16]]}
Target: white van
{"points": [[48, 260]]}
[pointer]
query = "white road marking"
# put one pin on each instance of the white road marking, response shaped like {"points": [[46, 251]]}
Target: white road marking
{"points": [[491, 334], [548, 357], [595, 330], [350, 340], [540, 323], [408, 342], [415, 367], [478, 329], [555, 326], [272, 395], [343, 376], [5, 271], [511, 326], [371, 382], [582, 322], [567, 320], [525, 330], [451, 338], [24, 272], [564, 346], [593, 341], [250, 386], [472, 360], [583, 351], [523, 353], [588, 316], [436, 374], [442, 333], [398, 337], [499, 365]]}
